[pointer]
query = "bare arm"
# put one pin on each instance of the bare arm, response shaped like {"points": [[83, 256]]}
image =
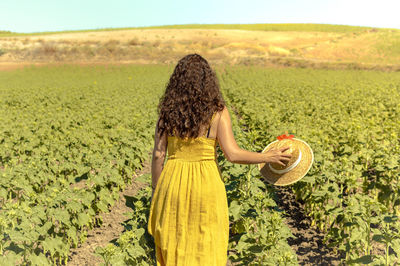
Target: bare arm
{"points": [[158, 158], [235, 154]]}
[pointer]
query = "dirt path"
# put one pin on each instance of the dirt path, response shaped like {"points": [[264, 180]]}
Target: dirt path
{"points": [[9, 66], [308, 242], [111, 228]]}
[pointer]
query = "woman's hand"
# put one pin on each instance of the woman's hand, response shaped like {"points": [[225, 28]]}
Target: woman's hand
{"points": [[278, 156]]}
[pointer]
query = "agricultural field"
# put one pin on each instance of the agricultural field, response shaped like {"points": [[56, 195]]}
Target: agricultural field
{"points": [[73, 137], [56, 124], [351, 120]]}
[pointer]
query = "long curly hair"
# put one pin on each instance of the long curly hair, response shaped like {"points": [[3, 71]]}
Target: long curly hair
{"points": [[191, 97]]}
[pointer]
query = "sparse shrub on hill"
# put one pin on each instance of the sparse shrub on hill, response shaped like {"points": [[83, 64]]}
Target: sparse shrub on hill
{"points": [[157, 43], [134, 42], [49, 48]]}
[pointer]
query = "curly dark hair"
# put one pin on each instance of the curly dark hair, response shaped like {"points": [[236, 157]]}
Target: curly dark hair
{"points": [[191, 97]]}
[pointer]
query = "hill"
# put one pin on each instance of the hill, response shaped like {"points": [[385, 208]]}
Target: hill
{"points": [[304, 45]]}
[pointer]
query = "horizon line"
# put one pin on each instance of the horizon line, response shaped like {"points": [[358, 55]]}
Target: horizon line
{"points": [[189, 24]]}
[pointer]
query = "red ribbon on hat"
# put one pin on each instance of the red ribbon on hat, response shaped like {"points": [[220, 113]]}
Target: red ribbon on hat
{"points": [[285, 136]]}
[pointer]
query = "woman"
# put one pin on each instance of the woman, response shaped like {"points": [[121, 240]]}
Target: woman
{"points": [[189, 210]]}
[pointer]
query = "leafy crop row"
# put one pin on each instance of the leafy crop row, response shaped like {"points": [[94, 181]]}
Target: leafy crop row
{"points": [[351, 120], [70, 139]]}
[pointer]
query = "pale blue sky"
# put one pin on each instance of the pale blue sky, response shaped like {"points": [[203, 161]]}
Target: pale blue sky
{"points": [[55, 15]]}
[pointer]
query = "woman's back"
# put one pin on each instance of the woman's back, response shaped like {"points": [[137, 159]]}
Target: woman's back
{"points": [[198, 149], [189, 211], [195, 149]]}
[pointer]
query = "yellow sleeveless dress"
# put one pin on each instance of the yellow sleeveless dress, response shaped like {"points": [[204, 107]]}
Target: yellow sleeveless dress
{"points": [[189, 217]]}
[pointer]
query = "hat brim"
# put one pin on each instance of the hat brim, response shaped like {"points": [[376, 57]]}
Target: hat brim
{"points": [[293, 175]]}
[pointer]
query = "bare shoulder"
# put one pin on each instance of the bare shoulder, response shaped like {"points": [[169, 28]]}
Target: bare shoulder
{"points": [[223, 111], [224, 114], [220, 114], [223, 118]]}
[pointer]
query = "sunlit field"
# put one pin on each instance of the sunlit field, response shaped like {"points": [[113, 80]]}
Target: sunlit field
{"points": [[73, 137]]}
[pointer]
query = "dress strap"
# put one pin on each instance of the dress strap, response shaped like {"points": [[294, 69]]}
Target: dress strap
{"points": [[209, 126]]}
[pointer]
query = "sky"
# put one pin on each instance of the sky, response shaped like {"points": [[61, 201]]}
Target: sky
{"points": [[56, 15]]}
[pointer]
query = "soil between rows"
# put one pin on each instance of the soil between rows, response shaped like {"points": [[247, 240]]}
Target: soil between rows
{"points": [[307, 243]]}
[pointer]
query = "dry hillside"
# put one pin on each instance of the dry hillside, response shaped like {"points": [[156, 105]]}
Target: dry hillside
{"points": [[364, 49]]}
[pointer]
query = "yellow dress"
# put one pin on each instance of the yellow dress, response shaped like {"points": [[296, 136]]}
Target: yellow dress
{"points": [[189, 211]]}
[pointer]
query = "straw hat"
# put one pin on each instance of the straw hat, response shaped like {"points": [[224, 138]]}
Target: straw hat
{"points": [[298, 166]]}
